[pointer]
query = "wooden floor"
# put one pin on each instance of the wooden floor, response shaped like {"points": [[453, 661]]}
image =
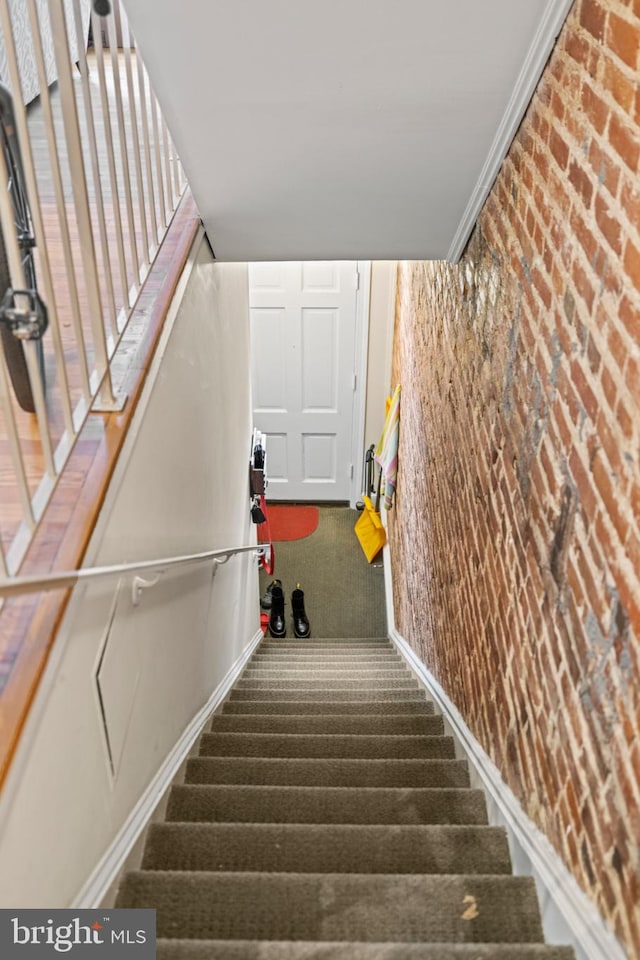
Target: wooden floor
{"points": [[78, 339]]}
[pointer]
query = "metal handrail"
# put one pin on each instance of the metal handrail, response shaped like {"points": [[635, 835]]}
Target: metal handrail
{"points": [[41, 583]]}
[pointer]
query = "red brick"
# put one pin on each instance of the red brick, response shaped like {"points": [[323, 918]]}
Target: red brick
{"points": [[617, 347], [610, 387], [577, 47], [625, 420], [558, 148], [583, 483], [541, 287], [609, 437], [584, 236], [593, 355], [581, 182], [583, 284], [540, 387], [609, 494], [583, 388], [557, 106], [632, 376], [623, 39], [624, 141], [632, 263], [595, 108], [630, 200], [609, 224], [605, 168], [593, 18], [630, 317], [620, 86]]}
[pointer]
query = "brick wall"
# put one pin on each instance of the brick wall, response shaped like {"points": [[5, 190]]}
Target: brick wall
{"points": [[515, 536]]}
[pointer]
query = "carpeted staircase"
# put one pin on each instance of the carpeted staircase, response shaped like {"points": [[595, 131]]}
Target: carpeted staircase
{"points": [[326, 817]]}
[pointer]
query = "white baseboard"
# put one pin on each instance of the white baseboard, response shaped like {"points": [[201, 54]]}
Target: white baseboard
{"points": [[568, 916], [106, 872]]}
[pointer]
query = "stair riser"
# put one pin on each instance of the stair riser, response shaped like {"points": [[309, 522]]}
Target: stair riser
{"points": [[325, 675], [328, 696], [413, 708], [305, 950], [325, 683], [328, 641], [368, 724], [332, 745], [332, 907], [320, 849], [364, 659], [325, 805], [285, 656], [293, 772], [285, 647]]}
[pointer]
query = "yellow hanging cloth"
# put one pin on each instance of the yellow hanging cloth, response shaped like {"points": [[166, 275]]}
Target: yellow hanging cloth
{"points": [[369, 528], [369, 531]]}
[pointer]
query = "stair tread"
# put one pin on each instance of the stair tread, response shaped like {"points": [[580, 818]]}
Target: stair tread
{"points": [[326, 671], [425, 725], [271, 641], [330, 848], [319, 707], [329, 695], [333, 659], [367, 654], [330, 772], [312, 745], [308, 906], [327, 818], [322, 682], [313, 950], [278, 804], [381, 643]]}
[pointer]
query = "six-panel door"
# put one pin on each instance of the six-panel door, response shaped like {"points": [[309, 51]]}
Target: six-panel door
{"points": [[303, 359]]}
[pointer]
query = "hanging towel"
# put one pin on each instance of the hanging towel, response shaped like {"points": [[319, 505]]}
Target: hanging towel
{"points": [[386, 455]]}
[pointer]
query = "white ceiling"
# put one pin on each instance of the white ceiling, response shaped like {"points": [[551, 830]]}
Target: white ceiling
{"points": [[342, 129]]}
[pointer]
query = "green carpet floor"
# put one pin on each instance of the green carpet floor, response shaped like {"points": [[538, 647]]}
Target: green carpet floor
{"points": [[326, 817], [344, 595]]}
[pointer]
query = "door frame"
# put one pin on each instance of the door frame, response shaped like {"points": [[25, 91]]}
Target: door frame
{"points": [[361, 351], [360, 374]]}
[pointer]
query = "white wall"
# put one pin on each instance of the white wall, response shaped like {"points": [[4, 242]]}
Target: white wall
{"points": [[180, 486]]}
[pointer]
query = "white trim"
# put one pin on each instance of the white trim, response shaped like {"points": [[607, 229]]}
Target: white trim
{"points": [[550, 25], [361, 347], [388, 578], [568, 916], [105, 873]]}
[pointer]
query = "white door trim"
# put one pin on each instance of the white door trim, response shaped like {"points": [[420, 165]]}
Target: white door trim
{"points": [[361, 351]]}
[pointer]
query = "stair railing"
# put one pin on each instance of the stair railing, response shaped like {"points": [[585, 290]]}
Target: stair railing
{"points": [[40, 583], [89, 183]]}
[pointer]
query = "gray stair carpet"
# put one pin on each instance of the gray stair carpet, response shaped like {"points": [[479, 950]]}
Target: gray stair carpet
{"points": [[326, 817]]}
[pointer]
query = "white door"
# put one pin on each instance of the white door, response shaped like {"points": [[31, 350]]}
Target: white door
{"points": [[303, 324]]}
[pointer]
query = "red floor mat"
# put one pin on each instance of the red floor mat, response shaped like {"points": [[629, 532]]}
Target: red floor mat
{"points": [[291, 522]]}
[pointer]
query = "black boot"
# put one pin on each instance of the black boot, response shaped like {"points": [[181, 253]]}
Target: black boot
{"points": [[301, 626], [265, 599], [277, 625]]}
